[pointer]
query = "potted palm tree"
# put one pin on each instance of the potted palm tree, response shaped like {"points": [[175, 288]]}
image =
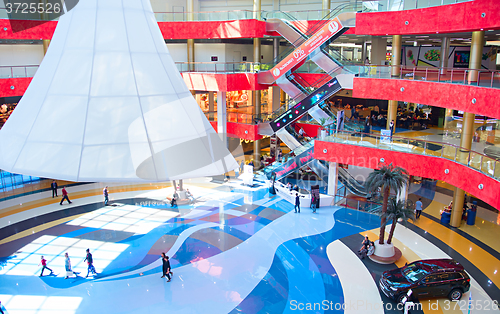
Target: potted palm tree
{"points": [[386, 178], [397, 211]]}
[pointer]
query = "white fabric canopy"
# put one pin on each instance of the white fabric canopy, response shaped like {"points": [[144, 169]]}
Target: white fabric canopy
{"points": [[108, 104]]}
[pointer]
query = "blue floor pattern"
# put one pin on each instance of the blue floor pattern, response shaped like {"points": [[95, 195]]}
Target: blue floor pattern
{"points": [[237, 250]]}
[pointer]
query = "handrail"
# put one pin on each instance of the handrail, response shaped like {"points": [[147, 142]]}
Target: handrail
{"points": [[485, 77], [219, 67], [235, 117], [309, 15], [475, 160]]}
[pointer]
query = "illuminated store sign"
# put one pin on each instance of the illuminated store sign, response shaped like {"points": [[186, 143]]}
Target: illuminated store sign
{"points": [[314, 42]]}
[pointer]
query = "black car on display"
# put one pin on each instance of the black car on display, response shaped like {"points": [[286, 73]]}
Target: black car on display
{"points": [[427, 279]]}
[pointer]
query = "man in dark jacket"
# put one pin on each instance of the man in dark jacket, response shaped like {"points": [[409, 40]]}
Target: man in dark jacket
{"points": [[53, 187]]}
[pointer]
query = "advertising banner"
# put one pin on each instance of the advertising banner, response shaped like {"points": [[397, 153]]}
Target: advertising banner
{"points": [[458, 57], [315, 195], [386, 136], [301, 52]]}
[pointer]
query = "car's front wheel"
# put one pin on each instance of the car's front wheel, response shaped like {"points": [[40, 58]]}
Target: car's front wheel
{"points": [[455, 294], [400, 298]]}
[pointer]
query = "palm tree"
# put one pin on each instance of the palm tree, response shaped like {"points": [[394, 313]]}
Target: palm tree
{"points": [[386, 178], [395, 210]]}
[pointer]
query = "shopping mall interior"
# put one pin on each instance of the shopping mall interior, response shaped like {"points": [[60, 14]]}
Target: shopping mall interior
{"points": [[257, 144]]}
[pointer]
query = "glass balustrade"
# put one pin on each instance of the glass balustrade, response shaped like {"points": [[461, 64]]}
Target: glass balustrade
{"points": [[17, 71], [309, 15], [485, 78], [480, 162]]}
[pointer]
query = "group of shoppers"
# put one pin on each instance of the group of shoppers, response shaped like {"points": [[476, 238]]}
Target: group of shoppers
{"points": [[67, 265], [54, 187]]}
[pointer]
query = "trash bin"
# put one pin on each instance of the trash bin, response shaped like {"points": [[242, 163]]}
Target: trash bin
{"points": [[445, 218], [471, 217]]}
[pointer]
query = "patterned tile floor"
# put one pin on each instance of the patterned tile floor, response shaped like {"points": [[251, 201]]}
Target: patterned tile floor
{"points": [[235, 250]]}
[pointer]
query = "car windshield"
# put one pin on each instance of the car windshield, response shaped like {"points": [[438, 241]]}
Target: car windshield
{"points": [[414, 273]]}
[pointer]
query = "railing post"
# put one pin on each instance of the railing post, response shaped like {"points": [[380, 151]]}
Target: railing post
{"points": [[451, 78], [468, 160], [481, 164], [425, 146], [426, 74], [492, 78]]}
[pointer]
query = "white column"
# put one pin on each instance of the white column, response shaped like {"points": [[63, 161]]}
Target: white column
{"points": [[403, 194], [222, 117], [445, 48], [333, 178]]}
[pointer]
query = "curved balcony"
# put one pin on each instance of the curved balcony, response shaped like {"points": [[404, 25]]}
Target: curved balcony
{"points": [[441, 87], [469, 170]]}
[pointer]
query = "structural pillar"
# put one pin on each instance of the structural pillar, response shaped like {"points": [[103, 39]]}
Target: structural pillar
{"points": [[256, 9], [274, 98], [222, 117], [326, 7], [364, 53], [392, 110], [190, 42], [392, 113], [211, 106], [333, 179], [256, 102], [45, 43], [445, 48], [396, 56], [476, 53]]}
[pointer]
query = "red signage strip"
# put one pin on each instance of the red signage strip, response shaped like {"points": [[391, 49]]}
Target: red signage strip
{"points": [[301, 52]]}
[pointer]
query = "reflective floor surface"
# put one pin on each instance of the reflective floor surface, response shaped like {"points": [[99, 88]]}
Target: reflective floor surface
{"points": [[236, 249]]}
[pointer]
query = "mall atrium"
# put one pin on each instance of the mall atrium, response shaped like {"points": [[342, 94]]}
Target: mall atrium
{"points": [[245, 150]]}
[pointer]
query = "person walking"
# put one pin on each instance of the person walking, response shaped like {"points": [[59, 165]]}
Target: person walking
{"points": [[65, 196], [53, 187], [67, 265], [105, 193], [43, 261], [418, 208], [297, 202], [166, 267], [90, 262]]}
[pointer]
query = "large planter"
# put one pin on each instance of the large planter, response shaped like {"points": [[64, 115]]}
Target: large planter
{"points": [[385, 253]]}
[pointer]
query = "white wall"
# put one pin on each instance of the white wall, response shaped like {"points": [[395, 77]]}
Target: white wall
{"points": [[12, 55], [178, 52], [232, 54], [204, 52]]}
